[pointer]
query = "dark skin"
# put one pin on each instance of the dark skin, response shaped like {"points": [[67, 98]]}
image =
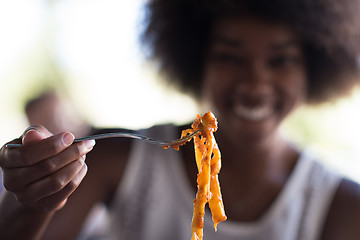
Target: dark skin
{"points": [[254, 76], [343, 214], [102, 187], [101, 182], [261, 162]]}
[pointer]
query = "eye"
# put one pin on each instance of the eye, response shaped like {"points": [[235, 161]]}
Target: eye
{"points": [[283, 61], [225, 58]]}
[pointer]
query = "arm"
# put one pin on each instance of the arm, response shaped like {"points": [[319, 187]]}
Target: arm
{"points": [[106, 163], [343, 219], [38, 177], [18, 221]]}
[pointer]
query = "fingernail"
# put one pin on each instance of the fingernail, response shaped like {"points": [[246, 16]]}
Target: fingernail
{"points": [[89, 144], [68, 138], [32, 129], [26, 134]]}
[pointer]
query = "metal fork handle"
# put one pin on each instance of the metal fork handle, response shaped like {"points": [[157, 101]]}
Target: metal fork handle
{"points": [[121, 134], [136, 136], [127, 135]]}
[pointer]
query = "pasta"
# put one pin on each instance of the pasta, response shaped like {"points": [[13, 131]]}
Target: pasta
{"points": [[208, 161]]}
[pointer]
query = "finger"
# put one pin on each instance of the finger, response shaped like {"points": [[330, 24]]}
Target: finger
{"points": [[41, 129], [36, 151], [58, 200], [50, 184], [4, 151], [53, 164], [19, 141], [8, 157], [32, 135], [46, 167]]}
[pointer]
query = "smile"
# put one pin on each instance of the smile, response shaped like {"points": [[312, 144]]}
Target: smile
{"points": [[253, 113]]}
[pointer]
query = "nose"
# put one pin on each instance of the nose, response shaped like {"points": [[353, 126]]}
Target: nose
{"points": [[255, 78]]}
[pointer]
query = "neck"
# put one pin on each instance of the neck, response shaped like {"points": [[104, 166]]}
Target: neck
{"points": [[251, 154]]}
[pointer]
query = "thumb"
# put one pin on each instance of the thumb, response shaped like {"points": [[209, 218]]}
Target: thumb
{"points": [[32, 135]]}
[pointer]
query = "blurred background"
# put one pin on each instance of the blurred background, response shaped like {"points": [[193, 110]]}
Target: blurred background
{"points": [[89, 53]]}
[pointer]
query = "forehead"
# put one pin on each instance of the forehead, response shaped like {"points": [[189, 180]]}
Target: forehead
{"points": [[245, 31]]}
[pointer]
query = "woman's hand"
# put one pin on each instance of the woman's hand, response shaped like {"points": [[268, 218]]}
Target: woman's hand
{"points": [[44, 171]]}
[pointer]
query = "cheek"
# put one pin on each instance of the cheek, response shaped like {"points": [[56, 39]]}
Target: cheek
{"points": [[215, 84], [218, 77], [296, 90]]}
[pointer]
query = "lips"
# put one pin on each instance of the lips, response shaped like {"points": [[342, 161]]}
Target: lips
{"points": [[253, 113], [252, 108]]}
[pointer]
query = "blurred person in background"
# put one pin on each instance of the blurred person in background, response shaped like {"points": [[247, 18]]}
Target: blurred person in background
{"points": [[55, 114], [48, 109], [252, 63]]}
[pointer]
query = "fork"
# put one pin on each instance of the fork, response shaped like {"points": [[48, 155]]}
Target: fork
{"points": [[164, 143]]}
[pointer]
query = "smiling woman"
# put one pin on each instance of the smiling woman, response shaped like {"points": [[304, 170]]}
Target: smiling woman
{"points": [[252, 63], [263, 75]]}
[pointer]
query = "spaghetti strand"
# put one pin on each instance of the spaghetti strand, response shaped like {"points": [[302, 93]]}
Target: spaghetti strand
{"points": [[208, 161]]}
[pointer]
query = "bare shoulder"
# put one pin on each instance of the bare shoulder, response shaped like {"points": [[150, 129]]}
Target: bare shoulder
{"points": [[343, 218]]}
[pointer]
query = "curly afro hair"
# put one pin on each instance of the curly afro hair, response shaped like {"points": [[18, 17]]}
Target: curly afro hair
{"points": [[177, 34]]}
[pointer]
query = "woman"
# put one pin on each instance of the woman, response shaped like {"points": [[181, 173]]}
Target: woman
{"points": [[251, 63]]}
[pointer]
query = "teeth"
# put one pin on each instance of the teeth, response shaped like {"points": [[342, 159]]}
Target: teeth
{"points": [[258, 113]]}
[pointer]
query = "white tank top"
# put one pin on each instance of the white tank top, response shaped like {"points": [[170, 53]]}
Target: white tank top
{"points": [[155, 200]]}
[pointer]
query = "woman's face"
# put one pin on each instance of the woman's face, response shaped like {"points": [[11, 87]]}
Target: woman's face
{"points": [[254, 75]]}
